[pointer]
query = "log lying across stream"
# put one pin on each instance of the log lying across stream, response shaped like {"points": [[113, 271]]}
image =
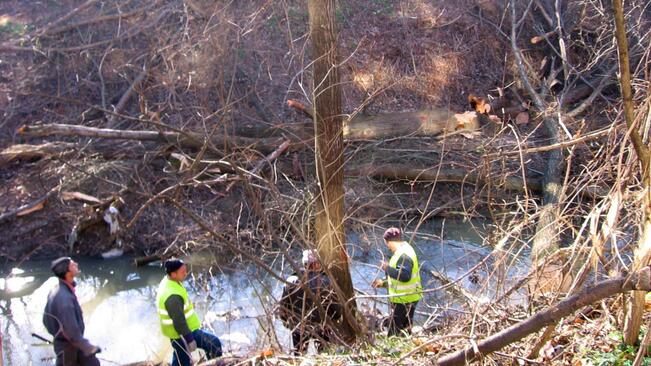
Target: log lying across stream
{"points": [[426, 122], [460, 176]]}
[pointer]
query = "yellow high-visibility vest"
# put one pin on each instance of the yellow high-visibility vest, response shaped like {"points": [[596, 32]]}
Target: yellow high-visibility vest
{"points": [[166, 289], [405, 292]]}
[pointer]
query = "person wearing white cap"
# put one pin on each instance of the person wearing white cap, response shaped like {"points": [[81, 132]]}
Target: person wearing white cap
{"points": [[64, 319], [298, 310]]}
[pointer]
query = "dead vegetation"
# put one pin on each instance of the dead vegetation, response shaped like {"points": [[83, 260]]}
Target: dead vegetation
{"points": [[176, 111]]}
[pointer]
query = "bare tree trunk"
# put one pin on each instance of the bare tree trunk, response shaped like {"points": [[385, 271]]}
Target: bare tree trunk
{"points": [[329, 148], [635, 308], [546, 239]]}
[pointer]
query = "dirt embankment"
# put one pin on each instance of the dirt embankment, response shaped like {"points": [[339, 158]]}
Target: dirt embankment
{"points": [[221, 70]]}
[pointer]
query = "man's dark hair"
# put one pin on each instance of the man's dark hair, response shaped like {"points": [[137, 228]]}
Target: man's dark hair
{"points": [[60, 266], [172, 265], [392, 234]]}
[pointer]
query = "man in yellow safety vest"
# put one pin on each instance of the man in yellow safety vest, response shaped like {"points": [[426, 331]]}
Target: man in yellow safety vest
{"points": [[178, 320], [403, 282]]}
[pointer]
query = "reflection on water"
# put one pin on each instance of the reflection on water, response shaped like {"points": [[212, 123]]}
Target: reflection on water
{"points": [[237, 305]]}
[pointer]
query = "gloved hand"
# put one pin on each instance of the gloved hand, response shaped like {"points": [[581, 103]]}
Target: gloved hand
{"points": [[190, 343]]}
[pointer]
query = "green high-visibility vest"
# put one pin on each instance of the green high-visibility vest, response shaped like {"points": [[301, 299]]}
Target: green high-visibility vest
{"points": [[166, 289], [405, 292]]}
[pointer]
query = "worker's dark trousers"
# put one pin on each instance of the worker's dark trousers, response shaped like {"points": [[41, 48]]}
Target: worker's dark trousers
{"points": [[402, 317], [206, 341], [67, 355]]}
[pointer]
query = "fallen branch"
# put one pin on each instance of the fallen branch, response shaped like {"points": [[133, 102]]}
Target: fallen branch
{"points": [[143, 261], [184, 139], [258, 167], [639, 281], [300, 107], [113, 121], [29, 207], [69, 15], [30, 152], [50, 31], [561, 145], [271, 157]]}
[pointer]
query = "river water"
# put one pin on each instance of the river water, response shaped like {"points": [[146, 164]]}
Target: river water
{"points": [[236, 303]]}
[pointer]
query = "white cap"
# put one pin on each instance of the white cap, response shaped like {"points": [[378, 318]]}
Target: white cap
{"points": [[309, 257]]}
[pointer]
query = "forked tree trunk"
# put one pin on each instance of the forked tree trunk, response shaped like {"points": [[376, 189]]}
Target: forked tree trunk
{"points": [[329, 149]]}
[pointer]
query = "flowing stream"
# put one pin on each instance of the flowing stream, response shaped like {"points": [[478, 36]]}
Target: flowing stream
{"points": [[236, 303]]}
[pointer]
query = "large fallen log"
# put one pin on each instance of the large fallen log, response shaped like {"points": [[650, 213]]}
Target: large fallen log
{"points": [[460, 176], [417, 123], [184, 139], [432, 121], [428, 122], [404, 172]]}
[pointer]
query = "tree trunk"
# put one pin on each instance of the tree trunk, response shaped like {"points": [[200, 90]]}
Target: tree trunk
{"points": [[546, 238], [329, 149], [635, 308]]}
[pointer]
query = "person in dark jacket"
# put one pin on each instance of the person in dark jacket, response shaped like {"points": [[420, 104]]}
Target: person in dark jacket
{"points": [[298, 310], [178, 320], [64, 320], [402, 280]]}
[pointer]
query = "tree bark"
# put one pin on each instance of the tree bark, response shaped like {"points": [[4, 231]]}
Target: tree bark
{"points": [[329, 148], [640, 281], [419, 123], [546, 238]]}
